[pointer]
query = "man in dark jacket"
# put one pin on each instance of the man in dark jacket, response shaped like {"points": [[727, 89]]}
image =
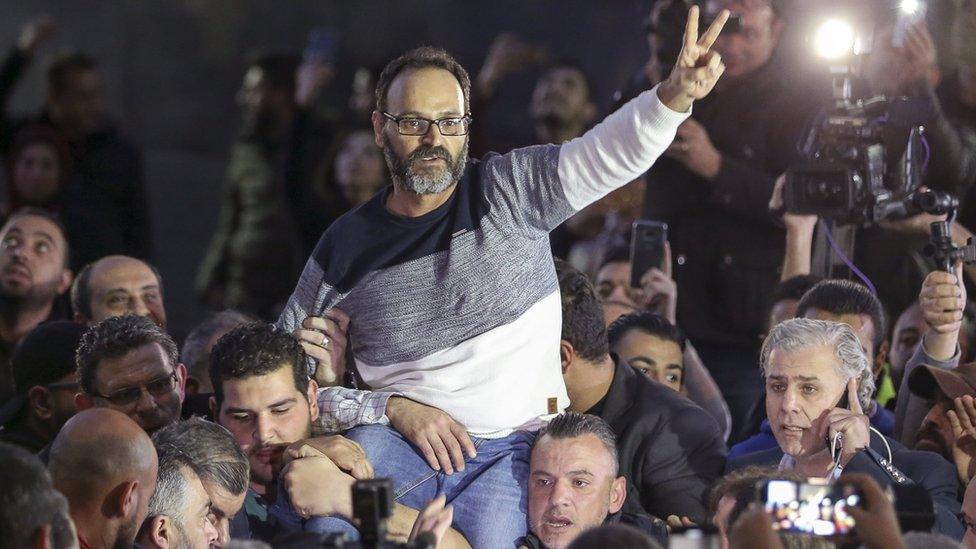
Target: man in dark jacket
{"points": [[818, 383], [103, 203], [714, 191], [670, 450]]}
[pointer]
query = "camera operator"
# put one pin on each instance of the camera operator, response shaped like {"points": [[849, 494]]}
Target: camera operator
{"points": [[809, 366], [713, 191]]}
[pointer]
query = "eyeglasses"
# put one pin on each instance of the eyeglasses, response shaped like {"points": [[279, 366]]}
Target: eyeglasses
{"points": [[130, 395], [412, 125]]}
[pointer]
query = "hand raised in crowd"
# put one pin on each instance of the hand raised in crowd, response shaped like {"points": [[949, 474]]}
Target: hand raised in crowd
{"points": [[798, 224], [433, 522], [317, 487], [963, 422], [919, 54], [443, 441], [324, 338], [675, 523], [36, 33], [875, 520], [853, 425], [754, 530], [347, 454], [943, 300], [659, 292], [506, 54], [694, 149], [698, 67], [310, 78]]}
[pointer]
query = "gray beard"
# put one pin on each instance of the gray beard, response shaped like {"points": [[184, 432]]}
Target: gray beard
{"points": [[434, 183]]}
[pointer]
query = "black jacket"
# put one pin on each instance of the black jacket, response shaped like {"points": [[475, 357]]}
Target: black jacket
{"points": [[927, 469], [670, 450], [726, 247]]}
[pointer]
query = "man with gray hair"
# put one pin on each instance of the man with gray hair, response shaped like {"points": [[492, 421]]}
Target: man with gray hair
{"points": [[179, 509], [221, 465], [818, 382], [32, 513]]}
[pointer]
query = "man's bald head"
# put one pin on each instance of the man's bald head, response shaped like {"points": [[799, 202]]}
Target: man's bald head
{"points": [[118, 285], [97, 450]]}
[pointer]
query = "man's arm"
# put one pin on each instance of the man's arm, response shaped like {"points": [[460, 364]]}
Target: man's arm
{"points": [[942, 301], [703, 391], [32, 35]]}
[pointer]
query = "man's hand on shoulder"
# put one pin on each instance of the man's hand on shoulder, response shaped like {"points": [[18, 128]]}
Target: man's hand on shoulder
{"points": [[443, 441], [697, 69]]}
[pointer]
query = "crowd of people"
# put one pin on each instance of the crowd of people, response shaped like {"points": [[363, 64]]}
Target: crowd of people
{"points": [[407, 306]]}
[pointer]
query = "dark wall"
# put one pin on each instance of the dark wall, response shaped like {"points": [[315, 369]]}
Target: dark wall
{"points": [[172, 68]]}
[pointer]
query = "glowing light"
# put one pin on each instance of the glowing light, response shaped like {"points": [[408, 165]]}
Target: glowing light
{"points": [[834, 39], [910, 7]]}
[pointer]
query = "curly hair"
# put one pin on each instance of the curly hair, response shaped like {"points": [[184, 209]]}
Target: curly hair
{"points": [[256, 349], [115, 337]]}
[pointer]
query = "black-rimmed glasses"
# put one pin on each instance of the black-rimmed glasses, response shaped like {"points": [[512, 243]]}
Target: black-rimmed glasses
{"points": [[130, 395], [413, 125]]}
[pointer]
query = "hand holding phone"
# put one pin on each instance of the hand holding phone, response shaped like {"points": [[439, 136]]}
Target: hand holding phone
{"points": [[813, 507]]}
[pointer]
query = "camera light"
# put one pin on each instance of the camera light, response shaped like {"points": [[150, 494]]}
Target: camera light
{"points": [[910, 7], [834, 39]]}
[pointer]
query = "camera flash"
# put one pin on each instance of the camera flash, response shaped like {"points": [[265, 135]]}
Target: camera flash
{"points": [[834, 39]]}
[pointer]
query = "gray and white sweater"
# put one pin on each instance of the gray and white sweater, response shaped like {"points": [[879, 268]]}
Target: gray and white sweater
{"points": [[459, 308]]}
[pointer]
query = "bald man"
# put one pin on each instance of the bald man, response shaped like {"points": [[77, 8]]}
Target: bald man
{"points": [[118, 285], [106, 466]]}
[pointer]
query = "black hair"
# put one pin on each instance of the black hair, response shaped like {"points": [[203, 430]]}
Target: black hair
{"points": [[115, 337], [574, 65], [844, 297], [55, 220], [575, 424], [62, 67], [583, 322], [256, 349], [794, 288], [418, 58], [81, 288], [616, 254], [649, 322]]}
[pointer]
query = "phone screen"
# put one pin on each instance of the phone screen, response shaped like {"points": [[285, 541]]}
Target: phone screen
{"points": [[810, 508], [647, 242]]}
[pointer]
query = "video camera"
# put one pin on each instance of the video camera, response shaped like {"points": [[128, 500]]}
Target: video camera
{"points": [[372, 503]]}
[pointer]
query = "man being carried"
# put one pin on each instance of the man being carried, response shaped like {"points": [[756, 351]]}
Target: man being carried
{"points": [[448, 280]]}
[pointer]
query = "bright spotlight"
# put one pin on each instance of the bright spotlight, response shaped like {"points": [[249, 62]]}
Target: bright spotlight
{"points": [[834, 39], [910, 7]]}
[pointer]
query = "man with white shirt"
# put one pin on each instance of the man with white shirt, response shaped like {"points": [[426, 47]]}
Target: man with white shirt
{"points": [[449, 285]]}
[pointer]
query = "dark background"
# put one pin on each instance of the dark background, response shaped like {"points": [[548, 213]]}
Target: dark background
{"points": [[172, 68]]}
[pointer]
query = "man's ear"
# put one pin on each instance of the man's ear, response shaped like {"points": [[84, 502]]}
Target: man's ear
{"points": [[67, 277], [83, 402], [618, 493], [124, 499], [567, 355], [181, 380], [157, 532], [41, 539], [378, 122], [313, 400], [881, 357], [39, 400]]}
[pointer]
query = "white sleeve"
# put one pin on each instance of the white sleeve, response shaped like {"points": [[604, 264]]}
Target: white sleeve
{"points": [[617, 150]]}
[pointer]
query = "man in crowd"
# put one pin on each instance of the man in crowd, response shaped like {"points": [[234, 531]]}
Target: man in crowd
{"points": [[105, 465], [809, 366], [129, 364], [713, 189], [46, 381], [574, 481], [671, 476], [221, 465], [255, 251], [651, 345], [33, 273], [118, 285], [456, 349], [658, 295], [33, 515], [947, 428], [179, 513], [104, 206], [265, 398], [905, 339]]}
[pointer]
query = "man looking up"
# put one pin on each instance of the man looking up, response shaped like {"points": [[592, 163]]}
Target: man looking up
{"points": [[454, 346], [106, 466], [33, 273], [118, 285], [129, 364]]}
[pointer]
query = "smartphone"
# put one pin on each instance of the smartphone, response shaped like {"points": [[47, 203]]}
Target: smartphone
{"points": [[647, 242], [812, 507], [321, 46]]}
